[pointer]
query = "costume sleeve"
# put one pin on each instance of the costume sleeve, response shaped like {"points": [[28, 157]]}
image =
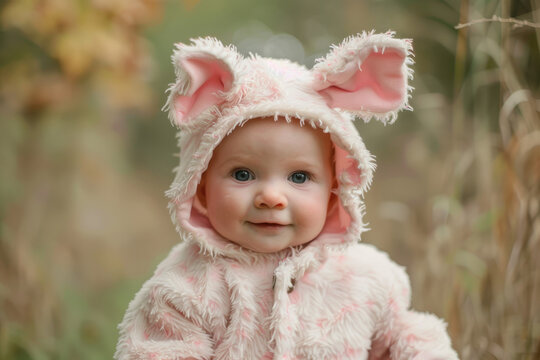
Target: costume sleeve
{"points": [[169, 318], [403, 334], [159, 326]]}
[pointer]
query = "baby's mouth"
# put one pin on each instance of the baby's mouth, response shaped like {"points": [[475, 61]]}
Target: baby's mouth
{"points": [[268, 226]]}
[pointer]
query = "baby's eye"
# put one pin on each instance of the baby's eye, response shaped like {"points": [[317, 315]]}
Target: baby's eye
{"points": [[242, 175], [299, 177]]}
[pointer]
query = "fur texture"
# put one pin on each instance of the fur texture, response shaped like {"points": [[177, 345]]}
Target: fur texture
{"points": [[332, 298]]}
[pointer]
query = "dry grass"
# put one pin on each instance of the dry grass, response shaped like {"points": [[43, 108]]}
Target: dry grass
{"points": [[496, 314]]}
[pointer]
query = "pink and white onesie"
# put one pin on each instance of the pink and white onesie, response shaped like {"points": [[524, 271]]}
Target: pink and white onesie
{"points": [[333, 298]]}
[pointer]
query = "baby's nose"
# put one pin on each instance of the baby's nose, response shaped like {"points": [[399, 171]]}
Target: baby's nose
{"points": [[270, 198]]}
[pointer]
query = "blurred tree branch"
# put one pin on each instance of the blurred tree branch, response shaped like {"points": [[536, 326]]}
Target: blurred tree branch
{"points": [[494, 18]]}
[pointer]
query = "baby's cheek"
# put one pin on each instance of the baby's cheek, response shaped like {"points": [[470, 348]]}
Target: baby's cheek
{"points": [[312, 212], [224, 198], [223, 209]]}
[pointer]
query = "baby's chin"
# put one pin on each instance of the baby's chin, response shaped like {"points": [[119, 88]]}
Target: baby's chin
{"points": [[267, 246]]}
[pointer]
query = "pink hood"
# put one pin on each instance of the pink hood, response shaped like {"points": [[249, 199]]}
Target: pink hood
{"points": [[217, 89]]}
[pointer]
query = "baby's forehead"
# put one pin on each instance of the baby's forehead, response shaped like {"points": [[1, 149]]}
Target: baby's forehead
{"points": [[270, 130], [271, 138]]}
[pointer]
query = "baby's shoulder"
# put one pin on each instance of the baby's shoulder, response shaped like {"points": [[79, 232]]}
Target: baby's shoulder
{"points": [[365, 260], [367, 255]]}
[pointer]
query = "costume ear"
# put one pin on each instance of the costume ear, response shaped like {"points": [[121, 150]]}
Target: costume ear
{"points": [[368, 75], [204, 72]]}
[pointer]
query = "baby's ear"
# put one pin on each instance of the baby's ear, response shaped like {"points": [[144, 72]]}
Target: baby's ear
{"points": [[204, 73], [199, 200], [367, 75]]}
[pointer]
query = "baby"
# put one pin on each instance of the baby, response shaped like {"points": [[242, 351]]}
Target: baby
{"points": [[267, 200]]}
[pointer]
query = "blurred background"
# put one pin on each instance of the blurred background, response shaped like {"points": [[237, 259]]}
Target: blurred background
{"points": [[86, 155]]}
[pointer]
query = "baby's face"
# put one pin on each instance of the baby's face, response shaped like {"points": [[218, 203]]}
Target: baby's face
{"points": [[268, 185]]}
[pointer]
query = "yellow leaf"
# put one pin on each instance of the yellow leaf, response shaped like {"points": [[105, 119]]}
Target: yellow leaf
{"points": [[189, 4]]}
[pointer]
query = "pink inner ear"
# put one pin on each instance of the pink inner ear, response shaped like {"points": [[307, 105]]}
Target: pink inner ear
{"points": [[208, 77], [379, 85]]}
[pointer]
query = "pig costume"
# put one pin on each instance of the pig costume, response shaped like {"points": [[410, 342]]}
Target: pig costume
{"points": [[331, 298]]}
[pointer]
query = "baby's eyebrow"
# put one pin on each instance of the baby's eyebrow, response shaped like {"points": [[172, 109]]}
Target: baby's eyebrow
{"points": [[236, 159], [305, 162]]}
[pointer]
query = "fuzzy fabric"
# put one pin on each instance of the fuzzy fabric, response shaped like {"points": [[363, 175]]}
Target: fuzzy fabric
{"points": [[332, 298]]}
